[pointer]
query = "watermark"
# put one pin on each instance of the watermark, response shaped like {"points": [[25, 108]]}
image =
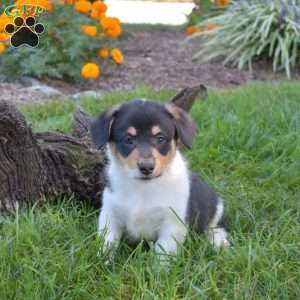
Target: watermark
{"points": [[24, 30], [25, 10]]}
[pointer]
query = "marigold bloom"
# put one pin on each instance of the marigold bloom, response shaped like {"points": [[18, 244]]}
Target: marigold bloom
{"points": [[89, 30], [4, 20], [98, 10], [95, 15], [111, 26], [90, 71], [2, 48], [100, 7], [222, 3], [114, 32], [83, 6], [117, 55], [107, 22], [103, 52], [211, 27], [4, 36], [191, 29]]}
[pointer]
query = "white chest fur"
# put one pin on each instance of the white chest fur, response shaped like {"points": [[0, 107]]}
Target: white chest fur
{"points": [[143, 209]]}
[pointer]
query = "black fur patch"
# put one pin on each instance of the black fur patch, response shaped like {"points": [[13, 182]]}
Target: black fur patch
{"points": [[202, 204]]}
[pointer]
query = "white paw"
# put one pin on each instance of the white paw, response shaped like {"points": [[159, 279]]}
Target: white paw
{"points": [[107, 251], [108, 248], [218, 237]]}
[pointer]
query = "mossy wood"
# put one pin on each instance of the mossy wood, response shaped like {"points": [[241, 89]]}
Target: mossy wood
{"points": [[37, 167]]}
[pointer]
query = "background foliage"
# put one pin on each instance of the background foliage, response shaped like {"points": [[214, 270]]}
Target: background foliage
{"points": [[252, 30], [63, 48], [205, 9]]}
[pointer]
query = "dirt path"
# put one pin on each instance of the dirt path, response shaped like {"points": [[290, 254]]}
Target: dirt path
{"points": [[152, 57]]}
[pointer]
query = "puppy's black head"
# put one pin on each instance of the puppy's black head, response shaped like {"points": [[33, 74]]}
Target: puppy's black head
{"points": [[143, 135]]}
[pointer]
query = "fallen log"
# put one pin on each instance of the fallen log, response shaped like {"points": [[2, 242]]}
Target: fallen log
{"points": [[37, 167]]}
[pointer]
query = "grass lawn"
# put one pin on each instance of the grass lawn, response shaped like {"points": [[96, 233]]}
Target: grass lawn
{"points": [[248, 147]]}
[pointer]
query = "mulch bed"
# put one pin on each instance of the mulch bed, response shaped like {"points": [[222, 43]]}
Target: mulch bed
{"points": [[156, 58]]}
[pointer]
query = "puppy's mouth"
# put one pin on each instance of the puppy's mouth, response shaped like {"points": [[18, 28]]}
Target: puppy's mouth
{"points": [[147, 178]]}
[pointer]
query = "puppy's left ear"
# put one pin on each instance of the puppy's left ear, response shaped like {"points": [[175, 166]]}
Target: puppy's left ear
{"points": [[184, 125], [101, 127]]}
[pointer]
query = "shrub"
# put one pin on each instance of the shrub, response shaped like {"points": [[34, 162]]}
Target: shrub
{"points": [[251, 30], [202, 7], [205, 9], [74, 34]]}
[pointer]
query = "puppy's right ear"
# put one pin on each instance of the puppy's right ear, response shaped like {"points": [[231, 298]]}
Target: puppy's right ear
{"points": [[101, 127]]}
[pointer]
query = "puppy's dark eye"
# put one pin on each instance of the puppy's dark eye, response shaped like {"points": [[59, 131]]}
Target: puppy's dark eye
{"points": [[161, 139], [128, 140]]}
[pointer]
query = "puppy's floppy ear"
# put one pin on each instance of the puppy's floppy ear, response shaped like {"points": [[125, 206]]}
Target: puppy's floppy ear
{"points": [[101, 127], [184, 125]]}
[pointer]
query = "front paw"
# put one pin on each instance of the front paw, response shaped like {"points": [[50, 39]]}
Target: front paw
{"points": [[108, 248], [107, 255], [165, 258], [219, 238]]}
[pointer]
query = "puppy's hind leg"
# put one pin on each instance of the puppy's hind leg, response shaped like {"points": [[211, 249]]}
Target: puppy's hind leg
{"points": [[217, 233]]}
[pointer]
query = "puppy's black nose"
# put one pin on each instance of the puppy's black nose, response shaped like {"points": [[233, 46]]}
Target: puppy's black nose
{"points": [[146, 166]]}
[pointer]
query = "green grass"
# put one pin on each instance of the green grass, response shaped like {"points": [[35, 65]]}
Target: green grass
{"points": [[248, 147]]}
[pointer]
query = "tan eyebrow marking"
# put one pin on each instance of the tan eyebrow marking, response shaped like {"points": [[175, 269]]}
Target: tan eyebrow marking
{"points": [[155, 130], [132, 131], [130, 161]]}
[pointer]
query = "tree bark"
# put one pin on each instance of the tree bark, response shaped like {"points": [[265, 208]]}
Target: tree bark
{"points": [[37, 167]]}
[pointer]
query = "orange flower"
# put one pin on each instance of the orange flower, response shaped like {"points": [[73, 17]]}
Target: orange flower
{"points": [[191, 29], [95, 15], [83, 6], [3, 36], [100, 7], [2, 48], [222, 3], [112, 27], [211, 27], [44, 3], [4, 20], [98, 10], [114, 32], [107, 22], [89, 30], [117, 56], [90, 71], [103, 52]]}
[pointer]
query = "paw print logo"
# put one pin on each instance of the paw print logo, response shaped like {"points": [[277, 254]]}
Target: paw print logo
{"points": [[24, 32]]}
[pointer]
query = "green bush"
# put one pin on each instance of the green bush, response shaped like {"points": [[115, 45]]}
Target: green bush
{"points": [[206, 9], [202, 7], [251, 30], [63, 48]]}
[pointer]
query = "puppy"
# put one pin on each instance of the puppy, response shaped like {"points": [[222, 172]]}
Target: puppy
{"points": [[151, 194]]}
